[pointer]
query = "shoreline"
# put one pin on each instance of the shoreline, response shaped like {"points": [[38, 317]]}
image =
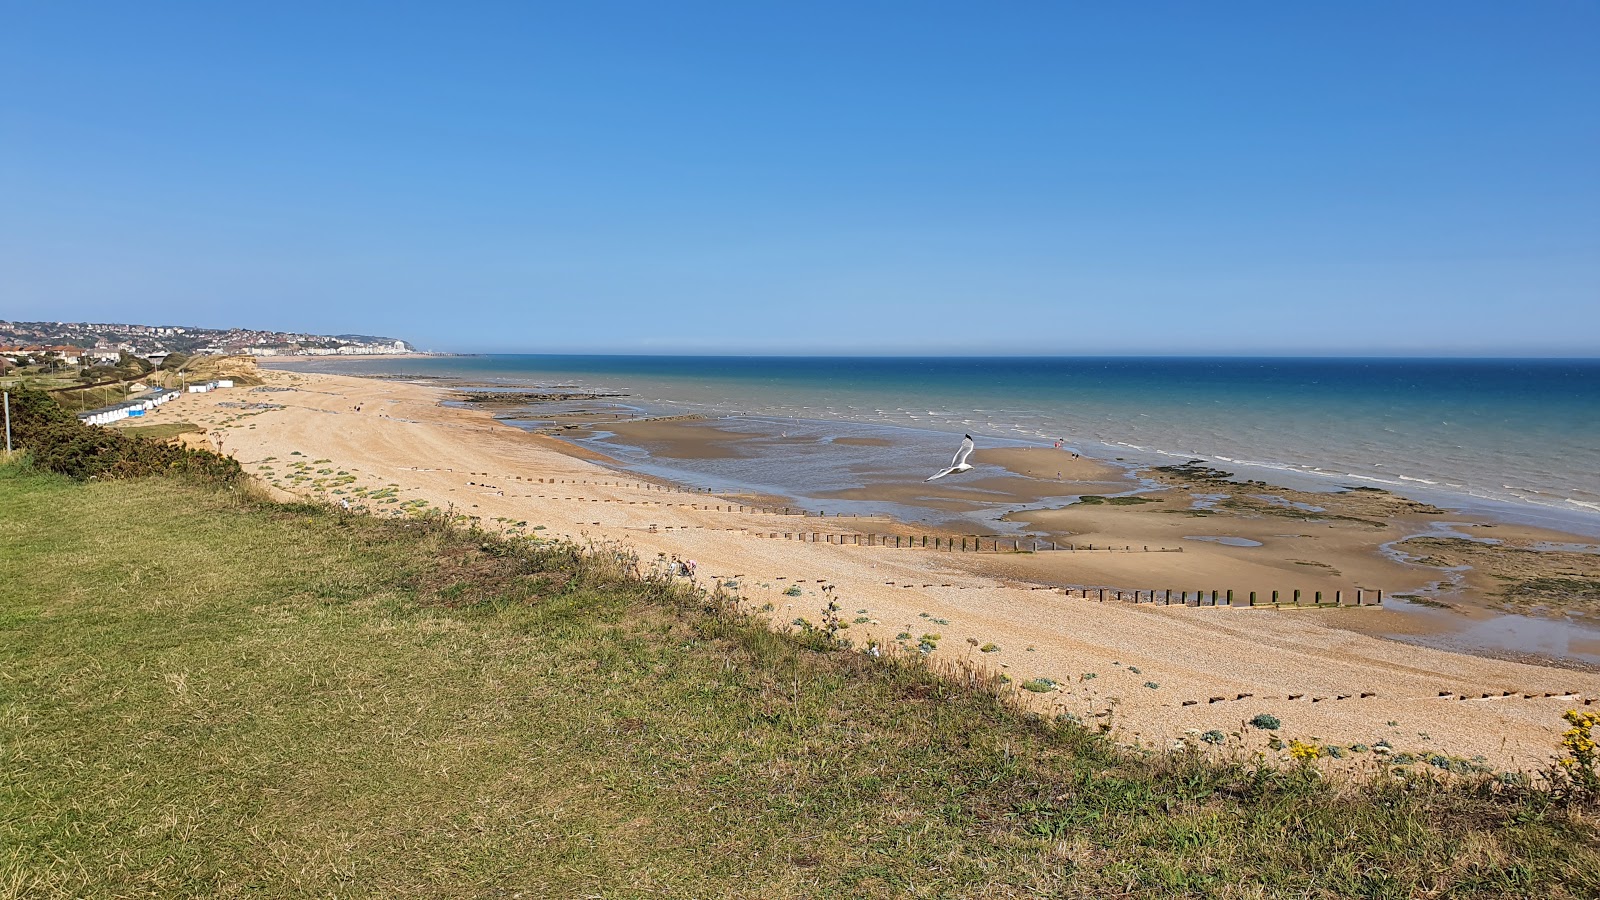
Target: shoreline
{"points": [[407, 452], [1485, 482], [1030, 503]]}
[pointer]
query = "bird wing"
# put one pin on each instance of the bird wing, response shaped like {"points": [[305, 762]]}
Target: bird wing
{"points": [[963, 453], [944, 473]]}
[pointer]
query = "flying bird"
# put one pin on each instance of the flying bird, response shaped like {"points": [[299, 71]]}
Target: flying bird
{"points": [[959, 464]]}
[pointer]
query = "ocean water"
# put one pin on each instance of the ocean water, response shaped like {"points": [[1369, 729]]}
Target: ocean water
{"points": [[1519, 439]]}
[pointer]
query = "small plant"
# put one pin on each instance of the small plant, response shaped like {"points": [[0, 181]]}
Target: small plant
{"points": [[1039, 685], [1266, 722], [1152, 685], [1583, 754], [903, 636], [989, 648], [830, 614], [1133, 669], [792, 590], [1213, 737], [1302, 751]]}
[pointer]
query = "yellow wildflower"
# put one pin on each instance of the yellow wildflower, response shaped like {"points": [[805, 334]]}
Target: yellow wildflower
{"points": [[1302, 751]]}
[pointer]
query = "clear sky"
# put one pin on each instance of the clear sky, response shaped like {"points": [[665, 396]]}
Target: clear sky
{"points": [[759, 177]]}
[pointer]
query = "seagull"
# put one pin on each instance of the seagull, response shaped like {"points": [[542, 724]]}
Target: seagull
{"points": [[959, 464]]}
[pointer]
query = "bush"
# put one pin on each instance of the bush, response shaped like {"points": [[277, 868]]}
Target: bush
{"points": [[1266, 722], [58, 442]]}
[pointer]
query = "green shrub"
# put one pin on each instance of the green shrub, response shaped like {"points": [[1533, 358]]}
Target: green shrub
{"points": [[58, 442]]}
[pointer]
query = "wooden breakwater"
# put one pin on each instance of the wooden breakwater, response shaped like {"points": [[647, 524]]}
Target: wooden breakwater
{"points": [[945, 544], [1291, 599]]}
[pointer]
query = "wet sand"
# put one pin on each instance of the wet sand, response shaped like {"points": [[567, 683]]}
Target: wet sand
{"points": [[1150, 672]]}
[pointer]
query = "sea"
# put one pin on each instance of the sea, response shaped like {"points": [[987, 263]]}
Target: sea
{"points": [[1515, 439]]}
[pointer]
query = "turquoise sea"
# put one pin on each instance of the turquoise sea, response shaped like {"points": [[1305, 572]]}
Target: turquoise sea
{"points": [[1516, 438]]}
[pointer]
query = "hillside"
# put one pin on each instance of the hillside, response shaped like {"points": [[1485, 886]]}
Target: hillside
{"points": [[222, 696]]}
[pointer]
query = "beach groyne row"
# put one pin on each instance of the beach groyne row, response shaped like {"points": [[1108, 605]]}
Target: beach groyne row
{"points": [[1290, 599], [946, 544], [1574, 696], [1515, 695]]}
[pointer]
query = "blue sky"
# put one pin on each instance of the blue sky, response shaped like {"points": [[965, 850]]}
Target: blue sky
{"points": [[917, 177]]}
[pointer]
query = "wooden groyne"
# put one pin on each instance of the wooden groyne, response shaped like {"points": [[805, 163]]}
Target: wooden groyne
{"points": [[1292, 599]]}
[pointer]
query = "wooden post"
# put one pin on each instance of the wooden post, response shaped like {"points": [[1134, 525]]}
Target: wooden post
{"points": [[1252, 598], [1274, 598], [963, 545], [1358, 596], [1319, 598], [1296, 596], [1102, 595], [1228, 600]]}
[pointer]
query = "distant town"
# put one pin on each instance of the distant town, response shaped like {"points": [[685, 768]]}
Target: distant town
{"points": [[88, 343]]}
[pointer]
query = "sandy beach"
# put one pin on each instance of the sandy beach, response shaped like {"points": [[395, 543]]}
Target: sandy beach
{"points": [[1154, 674]]}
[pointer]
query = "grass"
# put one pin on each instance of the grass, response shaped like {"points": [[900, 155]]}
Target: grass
{"points": [[164, 431], [217, 696]]}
